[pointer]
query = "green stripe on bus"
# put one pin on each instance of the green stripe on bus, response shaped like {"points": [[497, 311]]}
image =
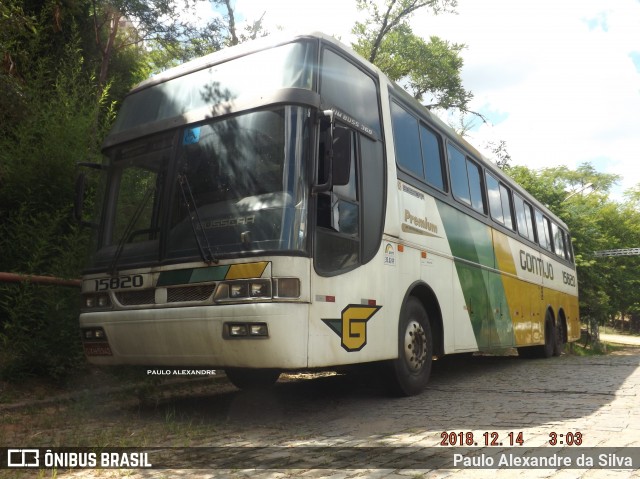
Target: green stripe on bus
{"points": [[213, 273], [178, 276], [471, 244]]}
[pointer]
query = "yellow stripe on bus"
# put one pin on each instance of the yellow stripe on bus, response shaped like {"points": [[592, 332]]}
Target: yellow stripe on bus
{"points": [[246, 270]]}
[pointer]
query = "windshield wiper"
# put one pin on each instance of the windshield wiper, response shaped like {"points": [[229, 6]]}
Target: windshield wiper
{"points": [[128, 229], [196, 223]]}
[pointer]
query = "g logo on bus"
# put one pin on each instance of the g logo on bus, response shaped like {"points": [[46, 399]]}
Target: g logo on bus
{"points": [[352, 326]]}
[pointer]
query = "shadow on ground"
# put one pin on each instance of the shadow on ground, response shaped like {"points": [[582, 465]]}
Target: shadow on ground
{"points": [[464, 392]]}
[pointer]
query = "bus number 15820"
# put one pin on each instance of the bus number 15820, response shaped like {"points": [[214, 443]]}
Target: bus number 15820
{"points": [[120, 282]]}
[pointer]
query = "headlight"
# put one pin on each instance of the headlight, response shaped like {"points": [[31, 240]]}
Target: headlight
{"points": [[260, 289], [255, 289], [96, 301], [237, 330], [94, 334], [238, 290], [245, 331]]}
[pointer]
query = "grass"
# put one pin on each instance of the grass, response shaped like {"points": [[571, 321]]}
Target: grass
{"points": [[120, 417], [598, 349]]}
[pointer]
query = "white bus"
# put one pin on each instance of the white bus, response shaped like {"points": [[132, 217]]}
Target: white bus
{"points": [[281, 205]]}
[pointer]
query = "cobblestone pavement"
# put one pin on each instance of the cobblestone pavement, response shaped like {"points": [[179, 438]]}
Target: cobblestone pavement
{"points": [[597, 397]]}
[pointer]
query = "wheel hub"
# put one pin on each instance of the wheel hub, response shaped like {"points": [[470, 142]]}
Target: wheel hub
{"points": [[415, 346]]}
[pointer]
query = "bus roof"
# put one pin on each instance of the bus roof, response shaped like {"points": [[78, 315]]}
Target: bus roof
{"points": [[232, 52]]}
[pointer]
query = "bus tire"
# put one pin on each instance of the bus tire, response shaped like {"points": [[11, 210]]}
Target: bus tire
{"points": [[246, 378], [411, 370], [558, 344], [547, 350]]}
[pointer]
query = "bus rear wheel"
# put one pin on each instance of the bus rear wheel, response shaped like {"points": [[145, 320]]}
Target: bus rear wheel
{"points": [[558, 344], [409, 373], [547, 349], [245, 378]]}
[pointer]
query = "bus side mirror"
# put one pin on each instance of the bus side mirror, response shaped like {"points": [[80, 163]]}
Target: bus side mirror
{"points": [[78, 203], [335, 158], [81, 190]]}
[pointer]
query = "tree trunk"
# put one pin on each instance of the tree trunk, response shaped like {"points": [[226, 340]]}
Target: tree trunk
{"points": [[107, 52]]}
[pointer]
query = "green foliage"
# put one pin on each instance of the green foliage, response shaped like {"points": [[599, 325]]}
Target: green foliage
{"points": [[16, 27], [63, 68], [166, 23], [60, 126], [384, 18], [596, 223], [38, 324], [429, 70]]}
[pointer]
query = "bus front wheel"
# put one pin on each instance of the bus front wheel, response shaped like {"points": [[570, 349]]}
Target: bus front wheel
{"points": [[410, 371], [245, 378]]}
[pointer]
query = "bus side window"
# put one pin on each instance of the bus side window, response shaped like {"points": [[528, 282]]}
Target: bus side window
{"points": [[528, 213], [523, 217], [458, 172], [558, 241], [406, 141], [569, 248], [500, 202], [507, 210], [349, 88], [337, 246], [418, 148], [432, 157], [338, 209], [565, 245], [474, 175], [495, 204], [542, 225], [345, 218]]}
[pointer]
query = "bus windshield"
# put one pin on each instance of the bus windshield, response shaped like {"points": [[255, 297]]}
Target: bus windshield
{"points": [[236, 185], [243, 176]]}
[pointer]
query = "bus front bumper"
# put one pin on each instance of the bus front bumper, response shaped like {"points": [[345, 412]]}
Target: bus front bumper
{"points": [[210, 336]]}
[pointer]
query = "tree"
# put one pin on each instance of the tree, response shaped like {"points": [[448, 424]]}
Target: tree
{"points": [[120, 24], [16, 28], [395, 13], [62, 65], [501, 156], [38, 153], [429, 70], [596, 223], [166, 47], [252, 30]]}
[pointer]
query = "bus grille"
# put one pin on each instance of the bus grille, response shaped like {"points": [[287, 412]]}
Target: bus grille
{"points": [[185, 294], [190, 293], [134, 298]]}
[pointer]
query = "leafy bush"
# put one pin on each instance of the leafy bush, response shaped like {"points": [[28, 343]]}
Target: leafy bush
{"points": [[38, 235]]}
